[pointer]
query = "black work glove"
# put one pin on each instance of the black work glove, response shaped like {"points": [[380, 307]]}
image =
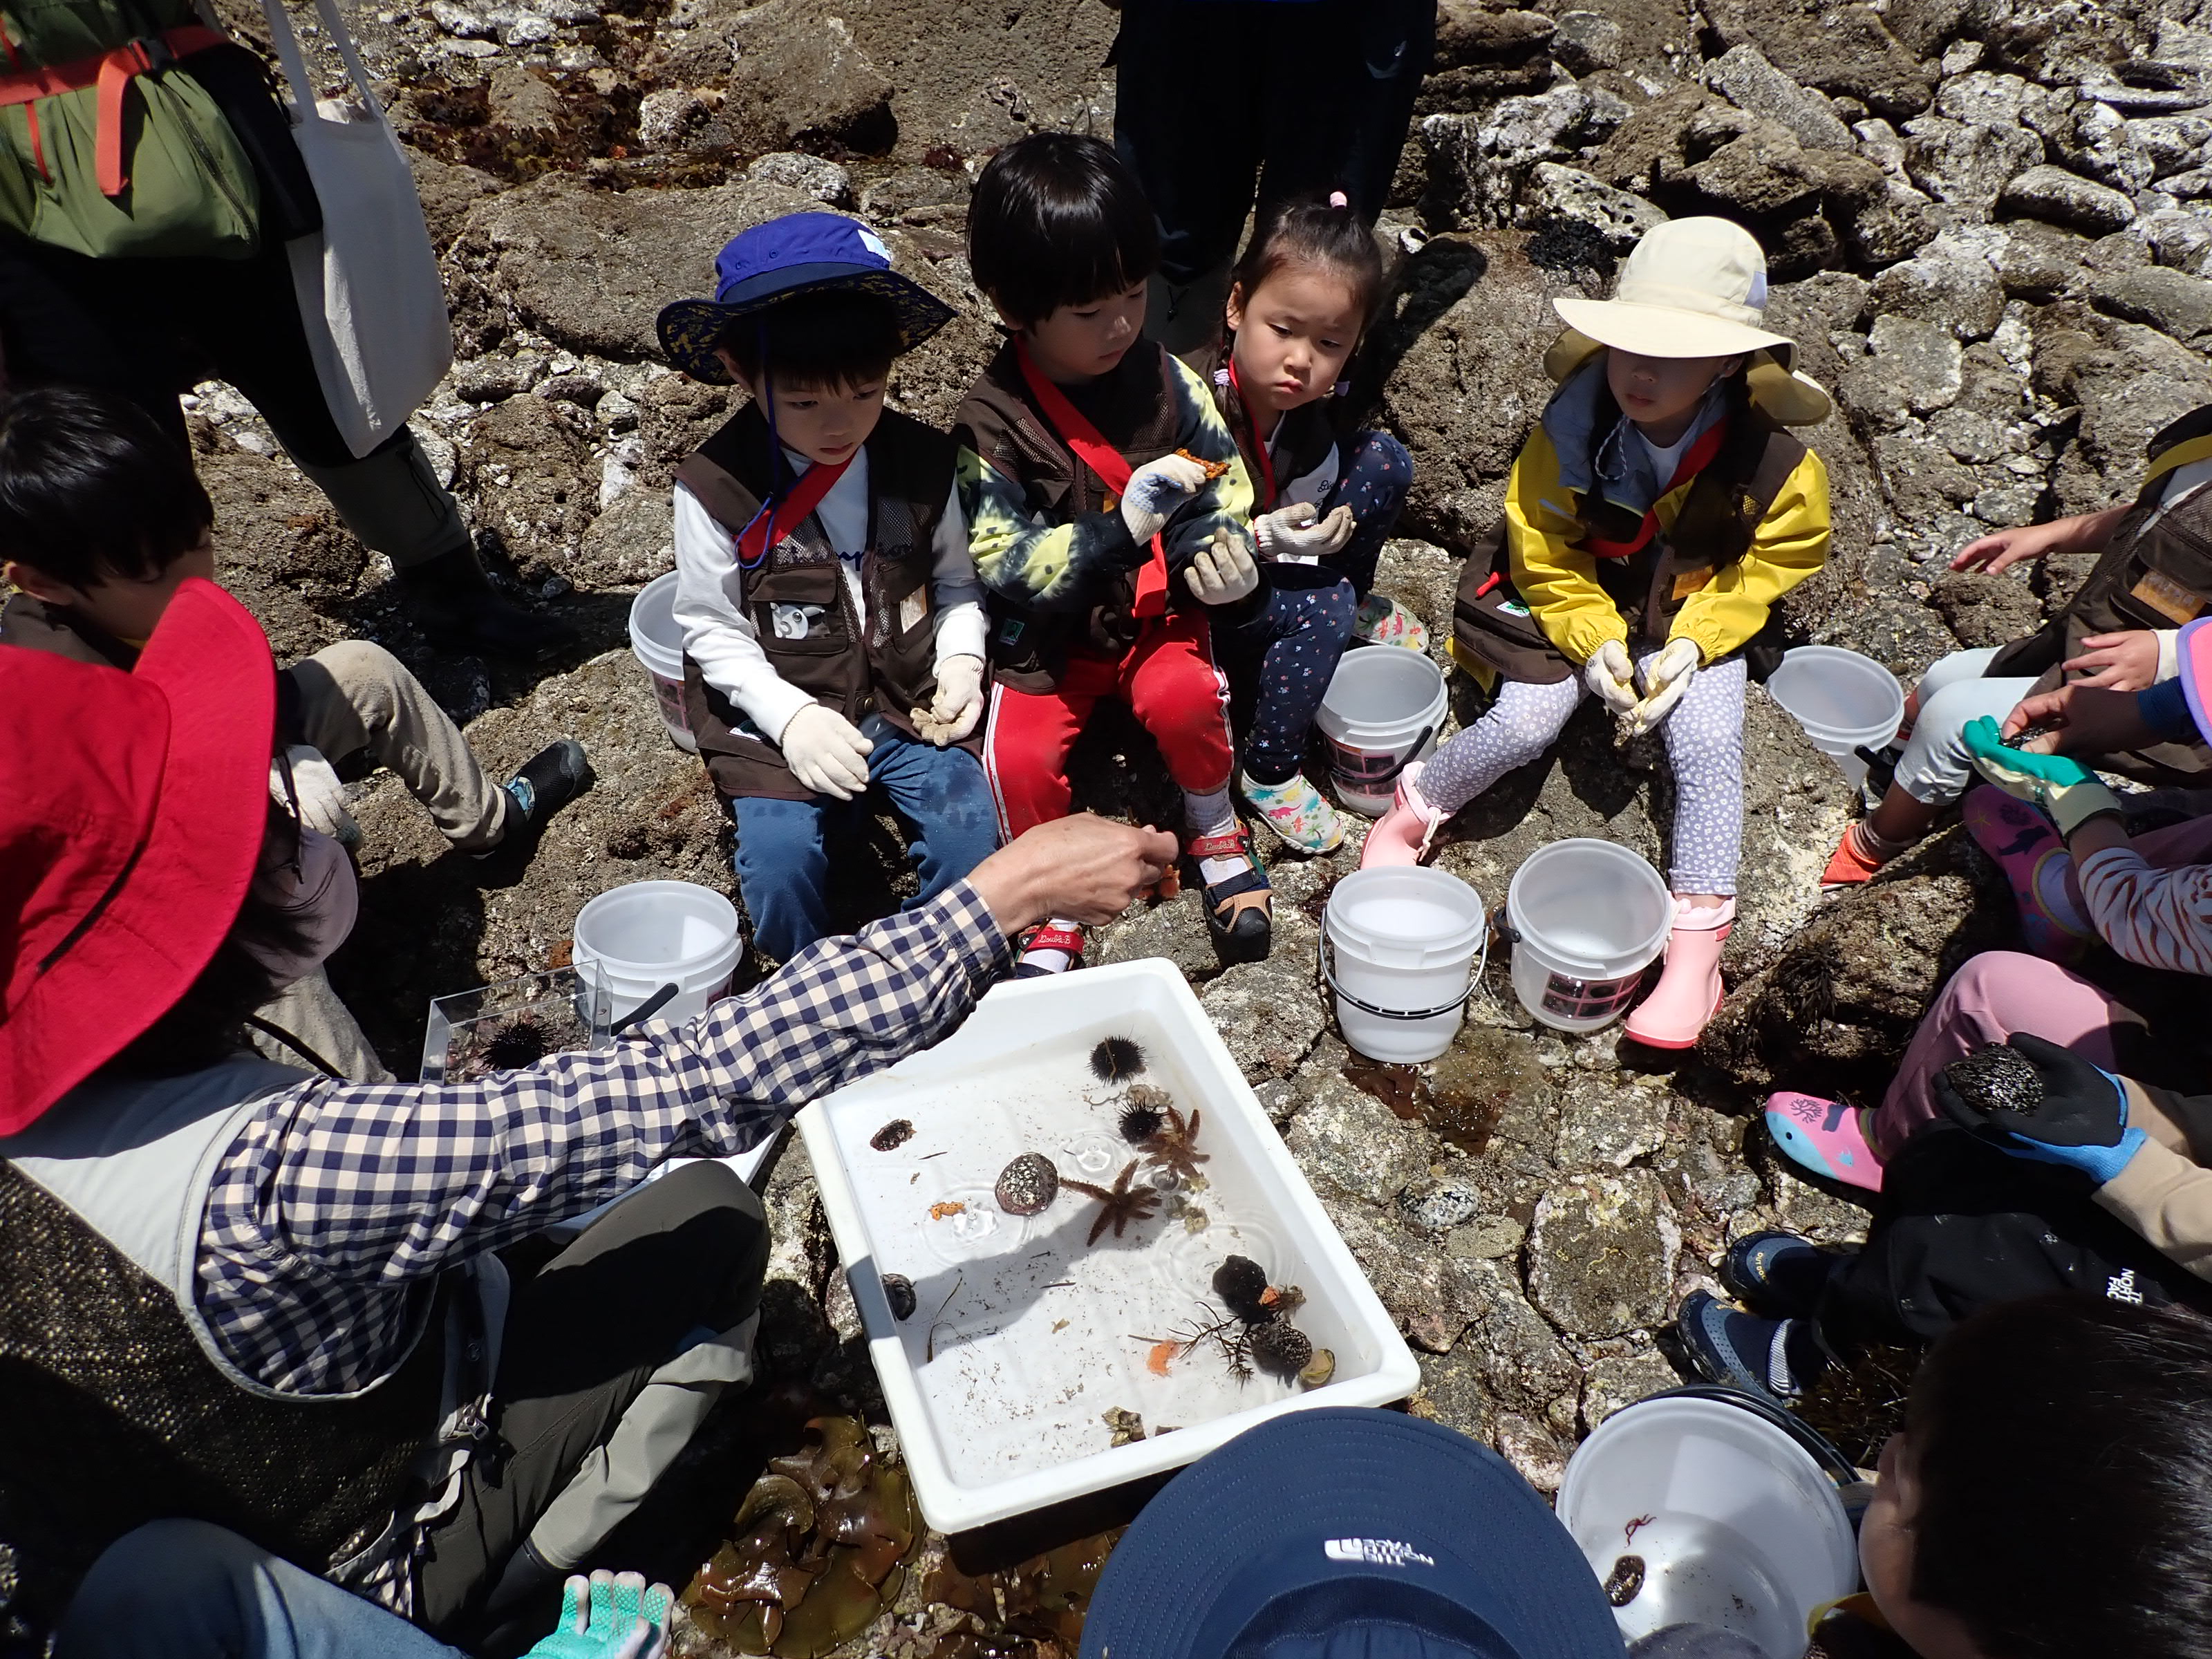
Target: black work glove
{"points": [[2081, 1123]]}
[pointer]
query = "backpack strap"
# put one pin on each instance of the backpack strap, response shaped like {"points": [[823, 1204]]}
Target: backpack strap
{"points": [[112, 72]]}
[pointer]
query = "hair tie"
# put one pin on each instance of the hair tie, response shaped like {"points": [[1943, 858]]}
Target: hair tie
{"points": [[1337, 199]]}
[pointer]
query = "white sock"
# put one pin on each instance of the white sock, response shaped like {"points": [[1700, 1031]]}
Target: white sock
{"points": [[1211, 814], [1050, 957]]}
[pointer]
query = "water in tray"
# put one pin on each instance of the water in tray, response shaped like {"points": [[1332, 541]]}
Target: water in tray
{"points": [[1024, 1333]]}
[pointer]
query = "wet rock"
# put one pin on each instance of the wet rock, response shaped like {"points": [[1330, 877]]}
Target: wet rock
{"points": [[1351, 1140], [2048, 192], [1498, 1074], [1488, 1238], [1753, 83], [1175, 931], [1601, 1254], [2168, 301]]}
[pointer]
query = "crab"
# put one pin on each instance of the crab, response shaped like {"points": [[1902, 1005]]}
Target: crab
{"points": [[1119, 1205]]}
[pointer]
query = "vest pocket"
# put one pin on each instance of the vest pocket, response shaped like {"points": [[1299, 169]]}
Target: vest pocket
{"points": [[799, 613]]}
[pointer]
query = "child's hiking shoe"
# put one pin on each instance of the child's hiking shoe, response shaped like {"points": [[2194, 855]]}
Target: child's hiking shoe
{"points": [[1298, 813], [1828, 1137], [1857, 856], [2032, 855], [1689, 990], [548, 782], [1775, 1357], [1381, 620], [1778, 1273], [1401, 836], [1240, 905], [1053, 948]]}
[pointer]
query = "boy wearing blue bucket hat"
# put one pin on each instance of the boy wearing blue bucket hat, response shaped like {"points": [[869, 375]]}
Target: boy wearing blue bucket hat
{"points": [[833, 625]]}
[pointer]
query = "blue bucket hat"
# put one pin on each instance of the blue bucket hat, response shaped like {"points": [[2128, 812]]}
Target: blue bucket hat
{"points": [[799, 254], [1349, 1534]]}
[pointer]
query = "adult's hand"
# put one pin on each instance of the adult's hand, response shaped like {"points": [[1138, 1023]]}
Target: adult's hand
{"points": [[2083, 719], [1083, 868], [2118, 662]]}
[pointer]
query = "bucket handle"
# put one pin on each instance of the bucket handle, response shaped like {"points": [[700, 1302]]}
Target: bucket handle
{"points": [[1325, 968], [646, 1010], [1374, 785]]}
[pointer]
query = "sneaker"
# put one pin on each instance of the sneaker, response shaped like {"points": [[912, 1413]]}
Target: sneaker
{"points": [[1828, 1137], [1778, 1273], [2032, 855], [1382, 620], [1053, 948], [1401, 836], [1778, 1357], [1298, 813], [548, 782]]}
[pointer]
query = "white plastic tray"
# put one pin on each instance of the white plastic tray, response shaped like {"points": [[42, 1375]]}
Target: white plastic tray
{"points": [[1023, 1337]]}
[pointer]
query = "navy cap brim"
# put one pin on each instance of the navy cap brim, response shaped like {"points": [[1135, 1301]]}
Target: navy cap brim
{"points": [[1340, 1508], [690, 330]]}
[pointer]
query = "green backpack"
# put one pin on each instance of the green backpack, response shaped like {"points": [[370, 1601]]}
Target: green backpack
{"points": [[114, 149]]}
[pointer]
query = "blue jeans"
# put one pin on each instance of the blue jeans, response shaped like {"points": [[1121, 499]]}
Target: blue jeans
{"points": [[1306, 624], [783, 855], [185, 1590]]}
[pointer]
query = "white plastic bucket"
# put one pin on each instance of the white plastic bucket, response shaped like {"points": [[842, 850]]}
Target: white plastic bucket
{"points": [[635, 939], [1736, 1524], [1842, 699], [1589, 917], [1401, 947], [658, 644], [1381, 712]]}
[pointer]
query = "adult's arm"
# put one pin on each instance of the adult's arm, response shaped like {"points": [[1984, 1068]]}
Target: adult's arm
{"points": [[2167, 1200]]}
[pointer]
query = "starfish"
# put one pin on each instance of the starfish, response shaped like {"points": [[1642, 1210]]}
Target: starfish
{"points": [[1119, 1205], [1174, 1145]]}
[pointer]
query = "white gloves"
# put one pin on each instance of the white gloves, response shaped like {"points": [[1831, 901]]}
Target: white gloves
{"points": [[1222, 573], [1150, 498], [322, 797], [1610, 674], [825, 752], [959, 702], [1296, 534], [1666, 678]]}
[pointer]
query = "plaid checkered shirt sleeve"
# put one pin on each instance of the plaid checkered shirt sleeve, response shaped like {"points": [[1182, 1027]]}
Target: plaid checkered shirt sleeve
{"points": [[338, 1204]]}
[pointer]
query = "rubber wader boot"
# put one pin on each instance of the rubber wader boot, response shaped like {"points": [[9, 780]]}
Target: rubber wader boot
{"points": [[394, 504], [1186, 316]]}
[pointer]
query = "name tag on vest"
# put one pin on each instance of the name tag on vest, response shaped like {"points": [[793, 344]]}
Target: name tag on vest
{"points": [[912, 609], [1687, 582], [2168, 597]]}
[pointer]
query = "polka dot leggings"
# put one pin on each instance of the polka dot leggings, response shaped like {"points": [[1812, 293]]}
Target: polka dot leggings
{"points": [[1704, 746], [1307, 621]]}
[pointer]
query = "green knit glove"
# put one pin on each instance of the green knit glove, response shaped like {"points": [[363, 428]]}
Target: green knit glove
{"points": [[608, 1617], [2064, 789]]}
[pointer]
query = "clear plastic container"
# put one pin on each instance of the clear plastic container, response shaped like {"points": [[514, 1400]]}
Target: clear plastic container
{"points": [[1024, 1336], [515, 1022]]}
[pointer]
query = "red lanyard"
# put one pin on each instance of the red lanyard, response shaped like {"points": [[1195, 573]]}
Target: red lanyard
{"points": [[1259, 444], [769, 526], [1113, 468]]}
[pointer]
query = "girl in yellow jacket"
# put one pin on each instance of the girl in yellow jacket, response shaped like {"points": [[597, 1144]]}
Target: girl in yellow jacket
{"points": [[1654, 516]]}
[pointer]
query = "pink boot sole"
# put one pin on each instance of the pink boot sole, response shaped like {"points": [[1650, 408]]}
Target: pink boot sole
{"points": [[1689, 991], [1824, 1136]]}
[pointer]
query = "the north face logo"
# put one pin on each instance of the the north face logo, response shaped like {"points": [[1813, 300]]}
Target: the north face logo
{"points": [[2121, 1287]]}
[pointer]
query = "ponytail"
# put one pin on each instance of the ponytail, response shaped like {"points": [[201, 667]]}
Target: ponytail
{"points": [[1328, 234]]}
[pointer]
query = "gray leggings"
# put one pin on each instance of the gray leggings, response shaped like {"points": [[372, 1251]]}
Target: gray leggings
{"points": [[1704, 745]]}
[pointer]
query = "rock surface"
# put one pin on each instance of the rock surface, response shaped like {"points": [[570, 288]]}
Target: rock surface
{"points": [[1990, 234]]}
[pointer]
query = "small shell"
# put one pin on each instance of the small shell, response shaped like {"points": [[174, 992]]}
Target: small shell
{"points": [[1625, 1582], [898, 1291], [1318, 1373], [1028, 1185], [892, 1136]]}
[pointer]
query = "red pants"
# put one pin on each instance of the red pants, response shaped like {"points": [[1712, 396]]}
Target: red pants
{"points": [[1170, 684]]}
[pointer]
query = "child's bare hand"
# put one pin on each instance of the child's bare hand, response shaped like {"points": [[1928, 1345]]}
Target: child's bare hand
{"points": [[2081, 720], [2118, 662]]}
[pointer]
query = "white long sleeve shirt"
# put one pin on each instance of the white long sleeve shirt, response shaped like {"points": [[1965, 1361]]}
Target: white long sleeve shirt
{"points": [[722, 638]]}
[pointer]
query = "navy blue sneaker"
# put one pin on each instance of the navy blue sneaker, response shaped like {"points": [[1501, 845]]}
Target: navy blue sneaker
{"points": [[1778, 1357], [1778, 1273]]}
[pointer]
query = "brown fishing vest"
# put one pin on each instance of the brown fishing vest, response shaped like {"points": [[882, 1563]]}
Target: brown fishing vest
{"points": [[800, 608], [1492, 630], [1303, 437], [2155, 573]]}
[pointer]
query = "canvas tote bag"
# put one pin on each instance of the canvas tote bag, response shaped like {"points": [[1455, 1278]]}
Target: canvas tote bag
{"points": [[368, 281]]}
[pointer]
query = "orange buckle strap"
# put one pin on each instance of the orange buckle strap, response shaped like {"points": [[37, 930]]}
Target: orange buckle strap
{"points": [[111, 72]]}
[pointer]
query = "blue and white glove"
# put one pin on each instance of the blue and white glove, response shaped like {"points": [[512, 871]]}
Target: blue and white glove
{"points": [[2081, 1124], [609, 1616], [1156, 489]]}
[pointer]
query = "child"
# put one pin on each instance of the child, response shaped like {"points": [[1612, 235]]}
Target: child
{"points": [[101, 517], [2118, 634], [833, 629], [1298, 301], [1654, 516], [1107, 506]]}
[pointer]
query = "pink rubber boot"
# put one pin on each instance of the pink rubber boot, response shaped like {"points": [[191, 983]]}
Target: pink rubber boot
{"points": [[1689, 992], [1401, 836]]}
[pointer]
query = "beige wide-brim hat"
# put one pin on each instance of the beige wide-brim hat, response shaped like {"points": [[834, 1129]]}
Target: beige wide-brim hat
{"points": [[1693, 287]]}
